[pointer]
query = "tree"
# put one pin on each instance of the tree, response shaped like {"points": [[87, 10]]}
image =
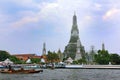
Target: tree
{"points": [[52, 57], [4, 55], [115, 59], [81, 61], [35, 60], [75, 62], [102, 57], [15, 60]]}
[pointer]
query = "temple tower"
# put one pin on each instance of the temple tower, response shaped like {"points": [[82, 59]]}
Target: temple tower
{"points": [[103, 46], [44, 49], [78, 52], [74, 49]]}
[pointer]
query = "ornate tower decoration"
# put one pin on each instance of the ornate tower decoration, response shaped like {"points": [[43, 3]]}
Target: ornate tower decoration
{"points": [[78, 52], [103, 46], [44, 49], [74, 49], [60, 55], [44, 57], [74, 31]]}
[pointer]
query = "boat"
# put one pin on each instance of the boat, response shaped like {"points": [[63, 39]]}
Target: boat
{"points": [[73, 66], [1, 66], [22, 71]]}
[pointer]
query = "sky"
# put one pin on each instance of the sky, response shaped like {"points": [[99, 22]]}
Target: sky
{"points": [[26, 24]]}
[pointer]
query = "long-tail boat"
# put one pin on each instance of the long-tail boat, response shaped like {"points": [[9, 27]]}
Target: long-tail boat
{"points": [[21, 71]]}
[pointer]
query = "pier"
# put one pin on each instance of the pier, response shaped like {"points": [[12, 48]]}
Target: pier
{"points": [[92, 66]]}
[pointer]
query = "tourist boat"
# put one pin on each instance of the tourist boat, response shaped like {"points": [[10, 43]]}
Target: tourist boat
{"points": [[22, 71], [73, 66], [1, 66]]}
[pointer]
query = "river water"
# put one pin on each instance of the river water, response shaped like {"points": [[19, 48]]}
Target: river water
{"points": [[67, 74]]}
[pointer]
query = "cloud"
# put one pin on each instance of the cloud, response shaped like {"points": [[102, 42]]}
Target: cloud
{"points": [[61, 12], [23, 3], [56, 12], [28, 17], [3, 18], [110, 14], [97, 6], [55, 17], [25, 20]]}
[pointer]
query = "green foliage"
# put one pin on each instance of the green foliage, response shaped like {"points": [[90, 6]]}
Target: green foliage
{"points": [[81, 61], [65, 59], [35, 60], [52, 57], [4, 55], [75, 62], [102, 57], [15, 60], [115, 59]]}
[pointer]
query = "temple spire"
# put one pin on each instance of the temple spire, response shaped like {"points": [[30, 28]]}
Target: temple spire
{"points": [[103, 46], [44, 49], [74, 30], [74, 49], [74, 19]]}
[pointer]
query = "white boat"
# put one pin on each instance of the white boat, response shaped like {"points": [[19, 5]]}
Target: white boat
{"points": [[73, 66], [2, 66]]}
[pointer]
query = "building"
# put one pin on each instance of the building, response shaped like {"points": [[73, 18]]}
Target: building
{"points": [[78, 52], [103, 47], [25, 57], [74, 49], [44, 54], [90, 57], [60, 55], [44, 49]]}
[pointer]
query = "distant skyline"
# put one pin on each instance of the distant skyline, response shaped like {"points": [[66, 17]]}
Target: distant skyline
{"points": [[26, 24]]}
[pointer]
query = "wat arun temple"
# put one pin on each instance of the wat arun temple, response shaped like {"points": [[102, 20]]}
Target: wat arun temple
{"points": [[74, 48]]}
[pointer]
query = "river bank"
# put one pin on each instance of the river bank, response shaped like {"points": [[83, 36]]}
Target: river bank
{"points": [[69, 67]]}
